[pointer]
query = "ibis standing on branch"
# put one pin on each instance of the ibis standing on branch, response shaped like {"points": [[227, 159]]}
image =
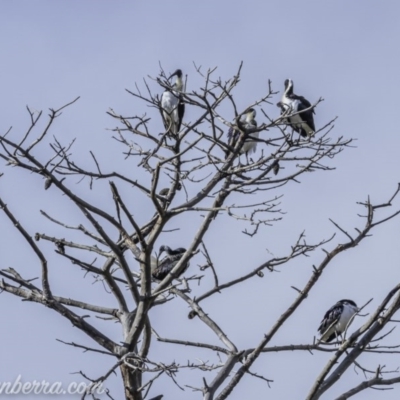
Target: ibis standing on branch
{"points": [[302, 121], [166, 265], [336, 320], [248, 125], [172, 105]]}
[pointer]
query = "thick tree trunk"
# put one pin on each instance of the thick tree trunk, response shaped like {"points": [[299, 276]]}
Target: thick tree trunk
{"points": [[132, 381]]}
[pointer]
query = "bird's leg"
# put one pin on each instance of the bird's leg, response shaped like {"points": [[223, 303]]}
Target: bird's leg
{"points": [[173, 130], [339, 336], [298, 140]]}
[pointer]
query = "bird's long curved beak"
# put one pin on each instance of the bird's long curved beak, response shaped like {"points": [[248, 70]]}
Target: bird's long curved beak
{"points": [[172, 75]]}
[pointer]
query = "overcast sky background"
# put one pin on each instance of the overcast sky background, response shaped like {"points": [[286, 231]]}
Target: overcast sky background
{"points": [[346, 52]]}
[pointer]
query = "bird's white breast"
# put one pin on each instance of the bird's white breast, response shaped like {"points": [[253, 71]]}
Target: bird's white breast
{"points": [[292, 106], [347, 313], [169, 101], [249, 146]]}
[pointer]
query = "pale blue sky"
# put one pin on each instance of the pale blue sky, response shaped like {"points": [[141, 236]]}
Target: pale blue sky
{"points": [[344, 51]]}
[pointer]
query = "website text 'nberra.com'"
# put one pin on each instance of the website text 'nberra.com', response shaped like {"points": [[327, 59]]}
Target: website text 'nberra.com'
{"points": [[44, 387]]}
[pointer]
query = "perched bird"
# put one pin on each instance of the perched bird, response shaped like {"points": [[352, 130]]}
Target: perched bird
{"points": [[336, 320], [249, 123], [47, 183], [303, 121], [276, 167], [162, 268], [172, 105]]}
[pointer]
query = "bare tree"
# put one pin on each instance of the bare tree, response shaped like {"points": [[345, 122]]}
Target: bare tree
{"points": [[194, 172]]}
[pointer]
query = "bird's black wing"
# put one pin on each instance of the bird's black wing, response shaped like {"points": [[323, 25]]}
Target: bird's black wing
{"points": [[167, 264], [302, 100], [331, 317], [306, 112], [163, 268], [305, 102], [181, 112]]}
